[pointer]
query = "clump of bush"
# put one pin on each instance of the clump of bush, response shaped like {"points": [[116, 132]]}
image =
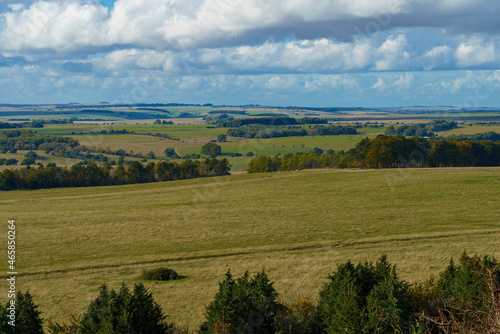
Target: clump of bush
{"points": [[159, 274]]}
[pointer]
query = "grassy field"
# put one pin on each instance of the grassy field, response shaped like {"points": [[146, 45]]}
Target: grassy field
{"points": [[470, 130], [297, 226], [284, 145]]}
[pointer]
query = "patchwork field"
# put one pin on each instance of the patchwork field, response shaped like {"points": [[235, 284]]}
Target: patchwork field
{"points": [[297, 226]]}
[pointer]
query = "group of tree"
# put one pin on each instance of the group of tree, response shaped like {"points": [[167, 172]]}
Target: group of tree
{"points": [[356, 299], [17, 125], [27, 140], [271, 121], [262, 131], [388, 152], [158, 121], [80, 175], [211, 149], [421, 129], [493, 136]]}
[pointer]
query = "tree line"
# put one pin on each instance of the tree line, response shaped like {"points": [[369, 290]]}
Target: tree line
{"points": [[388, 152], [263, 131], [271, 121], [356, 299], [421, 129], [91, 175]]}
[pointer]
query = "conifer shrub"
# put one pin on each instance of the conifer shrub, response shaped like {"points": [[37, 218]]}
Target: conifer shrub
{"points": [[243, 305]]}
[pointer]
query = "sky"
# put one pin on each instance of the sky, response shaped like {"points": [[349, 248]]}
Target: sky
{"points": [[350, 53]]}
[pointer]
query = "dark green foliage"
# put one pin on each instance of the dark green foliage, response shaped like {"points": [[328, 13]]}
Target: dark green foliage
{"points": [[160, 274], [169, 152], [89, 175], [211, 149], [245, 305], [28, 161], [465, 281], [27, 316], [271, 121], [394, 152], [31, 154], [365, 299], [11, 161], [249, 154], [124, 312], [421, 129], [492, 136], [221, 138], [262, 131], [151, 155]]}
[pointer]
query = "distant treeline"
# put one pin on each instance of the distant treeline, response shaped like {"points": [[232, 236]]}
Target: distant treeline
{"points": [[155, 109], [34, 124], [389, 152], [271, 121], [235, 112], [92, 175], [262, 131], [493, 136], [421, 129]]}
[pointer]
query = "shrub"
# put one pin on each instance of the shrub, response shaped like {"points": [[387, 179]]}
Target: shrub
{"points": [[31, 154], [124, 312], [221, 138], [169, 152], [11, 162], [249, 154], [235, 155], [160, 274], [244, 305], [28, 161]]}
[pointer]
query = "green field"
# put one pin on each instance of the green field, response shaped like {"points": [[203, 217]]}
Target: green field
{"points": [[284, 145], [471, 130], [296, 225]]}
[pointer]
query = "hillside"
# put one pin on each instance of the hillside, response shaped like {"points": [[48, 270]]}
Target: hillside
{"points": [[296, 225]]}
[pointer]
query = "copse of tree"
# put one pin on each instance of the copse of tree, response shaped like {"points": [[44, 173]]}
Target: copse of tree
{"points": [[91, 175], [221, 138], [211, 149]]}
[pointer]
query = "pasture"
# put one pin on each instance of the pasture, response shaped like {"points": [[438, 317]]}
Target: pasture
{"points": [[296, 225]]}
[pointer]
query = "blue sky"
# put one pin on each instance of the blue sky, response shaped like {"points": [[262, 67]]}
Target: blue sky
{"points": [[271, 52]]}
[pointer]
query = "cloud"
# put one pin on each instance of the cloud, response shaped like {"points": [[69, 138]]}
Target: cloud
{"points": [[475, 52], [392, 54], [74, 26]]}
